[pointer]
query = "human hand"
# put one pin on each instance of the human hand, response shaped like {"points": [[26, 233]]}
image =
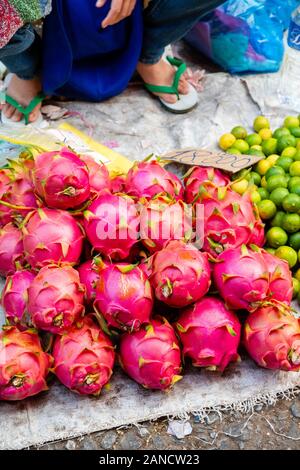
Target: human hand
{"points": [[119, 10]]}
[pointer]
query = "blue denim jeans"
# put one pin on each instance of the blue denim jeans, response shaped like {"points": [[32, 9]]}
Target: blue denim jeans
{"points": [[165, 21], [22, 54]]}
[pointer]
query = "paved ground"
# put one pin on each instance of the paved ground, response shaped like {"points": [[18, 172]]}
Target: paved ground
{"points": [[268, 427]]}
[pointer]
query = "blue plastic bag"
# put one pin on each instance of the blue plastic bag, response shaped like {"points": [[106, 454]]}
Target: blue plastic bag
{"points": [[245, 35]]}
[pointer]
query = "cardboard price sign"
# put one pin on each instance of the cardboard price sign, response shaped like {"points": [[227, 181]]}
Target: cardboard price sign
{"points": [[221, 160]]}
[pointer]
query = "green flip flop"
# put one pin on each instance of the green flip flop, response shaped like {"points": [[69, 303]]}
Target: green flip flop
{"points": [[25, 111], [184, 103]]}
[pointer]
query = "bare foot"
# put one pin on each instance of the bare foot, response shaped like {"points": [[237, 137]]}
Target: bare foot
{"points": [[162, 73], [23, 91]]}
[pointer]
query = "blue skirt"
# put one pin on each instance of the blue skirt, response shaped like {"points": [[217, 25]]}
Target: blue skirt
{"points": [[83, 61]]}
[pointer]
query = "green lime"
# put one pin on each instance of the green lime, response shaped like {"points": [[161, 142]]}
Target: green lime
{"points": [[296, 287], [255, 197], [276, 237], [291, 121], [263, 193], [288, 254], [262, 167], [270, 250], [296, 157], [294, 181], [256, 147], [295, 169], [253, 139], [257, 153], [226, 141], [241, 145], [275, 170], [273, 158], [239, 132], [261, 122], [269, 146], [255, 178], [266, 209], [294, 241], [285, 163], [289, 152], [265, 134], [277, 220], [242, 174], [297, 273], [240, 186], [291, 223], [280, 132], [295, 131], [286, 141], [295, 189], [276, 181], [291, 203], [277, 195], [233, 151]]}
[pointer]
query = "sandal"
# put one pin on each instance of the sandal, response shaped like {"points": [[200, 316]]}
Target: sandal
{"points": [[184, 103], [4, 98]]}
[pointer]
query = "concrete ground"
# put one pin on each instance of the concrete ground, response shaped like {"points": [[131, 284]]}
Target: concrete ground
{"points": [[268, 427]]}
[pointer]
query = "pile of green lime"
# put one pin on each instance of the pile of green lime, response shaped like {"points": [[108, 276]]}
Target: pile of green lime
{"points": [[274, 183]]}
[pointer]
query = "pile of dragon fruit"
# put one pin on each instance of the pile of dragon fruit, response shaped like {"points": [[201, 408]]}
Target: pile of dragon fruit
{"points": [[79, 303]]}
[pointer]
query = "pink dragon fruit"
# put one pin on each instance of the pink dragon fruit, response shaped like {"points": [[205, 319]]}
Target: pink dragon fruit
{"points": [[111, 224], [98, 175], [124, 296], [146, 266], [180, 274], [5, 212], [61, 179], [163, 219], [56, 299], [21, 193], [152, 356], [198, 177], [15, 298], [11, 250], [281, 284], [23, 364], [117, 183], [228, 220], [147, 179], [4, 180], [84, 358], [51, 236], [89, 277], [258, 234], [272, 338], [210, 334], [242, 278]]}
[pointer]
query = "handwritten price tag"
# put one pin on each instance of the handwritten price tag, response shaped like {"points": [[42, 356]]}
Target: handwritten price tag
{"points": [[221, 160]]}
